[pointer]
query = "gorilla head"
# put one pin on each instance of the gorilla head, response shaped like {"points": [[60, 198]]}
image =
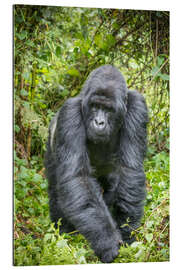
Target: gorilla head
{"points": [[104, 98]]}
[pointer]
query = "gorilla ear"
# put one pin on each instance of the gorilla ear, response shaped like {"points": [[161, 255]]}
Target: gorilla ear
{"points": [[133, 131]]}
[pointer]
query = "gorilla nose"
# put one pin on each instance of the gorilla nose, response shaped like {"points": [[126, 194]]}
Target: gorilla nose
{"points": [[99, 123]]}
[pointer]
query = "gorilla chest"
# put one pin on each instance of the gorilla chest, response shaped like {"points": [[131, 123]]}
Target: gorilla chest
{"points": [[102, 159]]}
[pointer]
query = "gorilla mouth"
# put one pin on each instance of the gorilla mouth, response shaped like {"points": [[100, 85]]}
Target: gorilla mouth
{"points": [[100, 132], [98, 136], [97, 132]]}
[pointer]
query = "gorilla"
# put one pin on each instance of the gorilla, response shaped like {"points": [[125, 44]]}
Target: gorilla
{"points": [[94, 162]]}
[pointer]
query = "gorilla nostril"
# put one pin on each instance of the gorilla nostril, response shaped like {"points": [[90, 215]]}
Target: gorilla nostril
{"points": [[96, 122], [99, 123]]}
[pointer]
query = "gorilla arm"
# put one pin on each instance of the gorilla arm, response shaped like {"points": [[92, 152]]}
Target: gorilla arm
{"points": [[131, 190], [133, 132], [79, 195]]}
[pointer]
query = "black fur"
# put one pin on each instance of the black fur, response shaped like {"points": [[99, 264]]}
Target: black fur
{"points": [[96, 179]]}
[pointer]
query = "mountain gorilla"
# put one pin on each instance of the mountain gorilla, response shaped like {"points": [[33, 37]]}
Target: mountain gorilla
{"points": [[94, 162]]}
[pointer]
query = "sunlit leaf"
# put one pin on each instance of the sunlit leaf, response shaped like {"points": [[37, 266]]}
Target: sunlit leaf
{"points": [[24, 92], [64, 93], [149, 237], [164, 77], [73, 72]]}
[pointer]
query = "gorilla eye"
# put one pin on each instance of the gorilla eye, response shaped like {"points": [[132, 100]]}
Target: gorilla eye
{"points": [[94, 106], [93, 109], [109, 109]]}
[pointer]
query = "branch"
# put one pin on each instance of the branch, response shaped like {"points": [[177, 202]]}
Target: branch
{"points": [[120, 41], [158, 72]]}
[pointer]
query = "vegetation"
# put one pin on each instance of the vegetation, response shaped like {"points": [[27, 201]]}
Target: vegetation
{"points": [[55, 48]]}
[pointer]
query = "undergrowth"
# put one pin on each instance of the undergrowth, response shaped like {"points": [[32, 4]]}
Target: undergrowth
{"points": [[37, 242]]}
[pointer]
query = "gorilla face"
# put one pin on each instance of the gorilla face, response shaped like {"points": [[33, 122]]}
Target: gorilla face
{"points": [[103, 114], [99, 123]]}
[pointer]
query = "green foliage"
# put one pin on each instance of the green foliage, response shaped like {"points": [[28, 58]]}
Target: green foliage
{"points": [[37, 242], [55, 48]]}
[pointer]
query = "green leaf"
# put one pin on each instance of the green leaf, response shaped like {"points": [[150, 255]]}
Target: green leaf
{"points": [[164, 77], [30, 43], [26, 75], [17, 128], [149, 223], [37, 178], [23, 173], [31, 210], [47, 237], [74, 92], [73, 72], [115, 25], [62, 243], [64, 93], [99, 40], [136, 244], [76, 50], [139, 253], [149, 237], [43, 106], [23, 183], [26, 104], [43, 70], [43, 185], [58, 51], [110, 40], [22, 35], [24, 92], [154, 71], [160, 60]]}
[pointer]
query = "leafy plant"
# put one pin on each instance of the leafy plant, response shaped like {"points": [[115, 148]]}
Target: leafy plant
{"points": [[37, 242]]}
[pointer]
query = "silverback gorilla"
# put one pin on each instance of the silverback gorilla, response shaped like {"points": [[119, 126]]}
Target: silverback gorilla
{"points": [[94, 162]]}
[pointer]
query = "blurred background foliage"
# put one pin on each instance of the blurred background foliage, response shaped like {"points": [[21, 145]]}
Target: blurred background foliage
{"points": [[55, 48]]}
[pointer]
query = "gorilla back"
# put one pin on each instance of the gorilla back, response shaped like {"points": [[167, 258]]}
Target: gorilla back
{"points": [[94, 162]]}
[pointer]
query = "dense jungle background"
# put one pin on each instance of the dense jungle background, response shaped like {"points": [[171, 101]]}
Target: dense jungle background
{"points": [[55, 48]]}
